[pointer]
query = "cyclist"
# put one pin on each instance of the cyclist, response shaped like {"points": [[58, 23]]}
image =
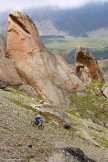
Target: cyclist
{"points": [[38, 120]]}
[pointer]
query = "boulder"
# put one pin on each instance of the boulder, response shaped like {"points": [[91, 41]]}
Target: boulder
{"points": [[87, 68], [61, 117], [69, 154], [78, 154], [105, 89], [48, 74], [105, 86], [105, 92], [8, 73], [98, 91], [2, 46]]}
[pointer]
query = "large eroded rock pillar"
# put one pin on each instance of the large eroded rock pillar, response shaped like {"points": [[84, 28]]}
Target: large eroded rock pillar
{"points": [[48, 74], [87, 68]]}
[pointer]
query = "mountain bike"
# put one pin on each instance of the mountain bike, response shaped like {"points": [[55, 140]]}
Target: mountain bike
{"points": [[40, 125]]}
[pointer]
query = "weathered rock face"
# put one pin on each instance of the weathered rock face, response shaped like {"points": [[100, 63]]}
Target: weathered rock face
{"points": [[2, 46], [70, 154], [105, 92], [48, 74], [87, 68], [105, 89], [8, 73], [61, 117]]}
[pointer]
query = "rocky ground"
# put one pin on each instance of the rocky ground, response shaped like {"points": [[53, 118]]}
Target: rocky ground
{"points": [[74, 133], [20, 141]]}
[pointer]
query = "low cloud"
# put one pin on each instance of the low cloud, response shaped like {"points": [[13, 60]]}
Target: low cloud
{"points": [[21, 4]]}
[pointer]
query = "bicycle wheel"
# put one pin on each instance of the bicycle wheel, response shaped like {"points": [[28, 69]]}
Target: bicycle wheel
{"points": [[33, 123], [41, 126]]}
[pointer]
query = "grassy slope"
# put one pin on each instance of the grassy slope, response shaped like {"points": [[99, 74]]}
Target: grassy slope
{"points": [[17, 132], [92, 108], [65, 44]]}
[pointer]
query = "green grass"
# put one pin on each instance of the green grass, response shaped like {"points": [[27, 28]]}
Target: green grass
{"points": [[65, 44], [101, 140], [20, 93], [23, 105], [15, 91], [90, 106]]}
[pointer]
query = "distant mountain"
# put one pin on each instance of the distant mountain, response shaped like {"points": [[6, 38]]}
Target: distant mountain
{"points": [[74, 22], [84, 21], [46, 27], [102, 32]]}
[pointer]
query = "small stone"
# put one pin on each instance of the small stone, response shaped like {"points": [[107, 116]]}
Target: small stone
{"points": [[30, 145]]}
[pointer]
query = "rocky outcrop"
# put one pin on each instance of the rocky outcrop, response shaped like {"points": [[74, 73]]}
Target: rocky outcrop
{"points": [[105, 89], [2, 46], [70, 154], [87, 68], [77, 154], [8, 73], [48, 74], [60, 117], [105, 92], [28, 89]]}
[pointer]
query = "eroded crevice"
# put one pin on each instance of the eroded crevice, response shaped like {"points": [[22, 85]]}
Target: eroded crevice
{"points": [[87, 68], [19, 23]]}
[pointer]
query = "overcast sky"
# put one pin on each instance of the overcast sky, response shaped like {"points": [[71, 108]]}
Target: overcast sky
{"points": [[21, 4]]}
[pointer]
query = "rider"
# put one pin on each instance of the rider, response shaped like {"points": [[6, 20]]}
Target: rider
{"points": [[38, 120]]}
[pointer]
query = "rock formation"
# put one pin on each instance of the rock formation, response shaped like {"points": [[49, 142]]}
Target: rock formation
{"points": [[8, 73], [77, 154], [87, 68], [2, 46], [48, 74], [105, 89], [105, 92], [60, 117]]}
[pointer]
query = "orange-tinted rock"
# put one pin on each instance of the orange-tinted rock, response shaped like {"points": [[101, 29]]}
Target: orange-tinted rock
{"points": [[87, 68], [48, 74], [2, 46], [8, 73]]}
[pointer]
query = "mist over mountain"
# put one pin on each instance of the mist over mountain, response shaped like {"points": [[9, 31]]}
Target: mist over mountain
{"points": [[83, 21]]}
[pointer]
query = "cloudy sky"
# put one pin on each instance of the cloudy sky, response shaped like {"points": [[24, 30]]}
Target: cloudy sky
{"points": [[21, 4]]}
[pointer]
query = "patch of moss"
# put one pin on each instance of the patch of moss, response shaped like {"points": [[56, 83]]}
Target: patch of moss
{"points": [[32, 100], [19, 103], [15, 91], [102, 141], [89, 106], [47, 118], [94, 85], [22, 94], [71, 112]]}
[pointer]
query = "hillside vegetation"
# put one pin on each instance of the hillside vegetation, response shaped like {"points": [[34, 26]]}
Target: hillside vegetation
{"points": [[67, 45], [88, 128]]}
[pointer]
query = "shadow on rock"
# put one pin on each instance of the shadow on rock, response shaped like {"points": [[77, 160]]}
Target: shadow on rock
{"points": [[77, 154]]}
